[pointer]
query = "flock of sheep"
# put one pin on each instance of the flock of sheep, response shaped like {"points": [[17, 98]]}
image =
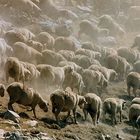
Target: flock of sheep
{"points": [[43, 44]]}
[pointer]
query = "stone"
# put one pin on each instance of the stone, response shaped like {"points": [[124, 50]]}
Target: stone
{"points": [[32, 123], [11, 115]]}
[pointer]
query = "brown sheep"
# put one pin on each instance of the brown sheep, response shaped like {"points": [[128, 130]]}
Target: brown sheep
{"points": [[65, 101], [93, 107], [26, 97], [113, 106], [134, 113], [64, 43], [133, 80]]}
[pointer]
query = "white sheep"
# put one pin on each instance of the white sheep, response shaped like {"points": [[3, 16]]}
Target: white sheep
{"points": [[113, 106]]}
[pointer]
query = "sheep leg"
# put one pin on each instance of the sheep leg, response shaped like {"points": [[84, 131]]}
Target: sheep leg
{"points": [[94, 117], [134, 91], [85, 114], [10, 107], [7, 77], [98, 116], [120, 116], [114, 118], [128, 90], [34, 112], [74, 110], [67, 116]]}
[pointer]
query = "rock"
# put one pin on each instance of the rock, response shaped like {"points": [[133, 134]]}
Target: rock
{"points": [[15, 136], [11, 115], [1, 133], [31, 123]]}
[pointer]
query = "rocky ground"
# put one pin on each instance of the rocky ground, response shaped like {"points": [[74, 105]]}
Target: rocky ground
{"points": [[45, 127]]}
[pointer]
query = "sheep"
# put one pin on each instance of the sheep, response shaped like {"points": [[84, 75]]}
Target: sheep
{"points": [[18, 34], [15, 69], [46, 39], [65, 101], [75, 67], [136, 100], [36, 45], [138, 125], [55, 12], [91, 54], [129, 54], [64, 29], [93, 107], [12, 37], [53, 75], [113, 106], [106, 21], [63, 43], [26, 53], [4, 27], [107, 6], [87, 45], [137, 66], [26, 6], [92, 79], [2, 90], [133, 12], [136, 42], [73, 80], [133, 80], [90, 30], [134, 112], [51, 58], [26, 97], [119, 64], [25, 32], [82, 60], [109, 74], [34, 73], [5, 51], [67, 54]]}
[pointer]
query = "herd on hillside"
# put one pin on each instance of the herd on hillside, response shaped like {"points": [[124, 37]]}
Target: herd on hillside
{"points": [[75, 47]]}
